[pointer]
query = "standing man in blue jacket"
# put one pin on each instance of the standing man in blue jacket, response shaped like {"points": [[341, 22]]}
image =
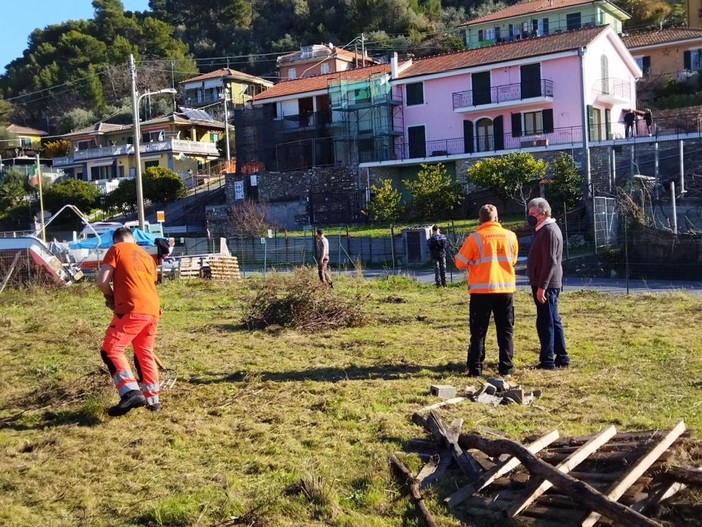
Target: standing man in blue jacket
{"points": [[437, 248]]}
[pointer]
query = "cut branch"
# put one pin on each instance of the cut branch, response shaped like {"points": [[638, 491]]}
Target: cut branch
{"points": [[403, 472]]}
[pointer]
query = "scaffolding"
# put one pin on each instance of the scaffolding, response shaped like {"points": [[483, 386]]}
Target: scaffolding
{"points": [[367, 118]]}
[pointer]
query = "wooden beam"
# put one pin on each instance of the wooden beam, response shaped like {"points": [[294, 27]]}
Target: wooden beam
{"points": [[10, 271], [577, 457], [417, 497], [499, 470], [578, 490], [620, 486], [438, 405], [450, 436], [688, 475]]}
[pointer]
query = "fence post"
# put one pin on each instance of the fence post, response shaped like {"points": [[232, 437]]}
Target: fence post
{"points": [[565, 224]]}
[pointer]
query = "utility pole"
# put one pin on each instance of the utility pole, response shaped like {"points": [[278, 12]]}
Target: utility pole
{"points": [[173, 83], [363, 50], [226, 126], [137, 139], [41, 200]]}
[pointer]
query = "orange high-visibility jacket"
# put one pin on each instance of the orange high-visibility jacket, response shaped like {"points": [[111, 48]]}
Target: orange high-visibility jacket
{"points": [[490, 254]]}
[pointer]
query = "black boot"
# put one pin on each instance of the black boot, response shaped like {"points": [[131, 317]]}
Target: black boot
{"points": [[131, 399]]}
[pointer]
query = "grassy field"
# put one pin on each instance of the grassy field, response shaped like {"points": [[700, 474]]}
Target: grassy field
{"points": [[451, 227], [281, 428]]}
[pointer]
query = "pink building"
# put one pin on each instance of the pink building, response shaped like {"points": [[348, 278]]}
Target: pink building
{"points": [[534, 93]]}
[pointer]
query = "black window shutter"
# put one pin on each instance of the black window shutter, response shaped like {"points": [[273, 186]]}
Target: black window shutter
{"points": [[468, 137], [646, 64], [516, 125], [608, 123], [498, 128], [687, 60], [480, 35], [547, 119]]}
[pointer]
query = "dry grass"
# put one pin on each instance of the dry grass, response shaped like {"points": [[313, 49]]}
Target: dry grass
{"points": [[289, 428]]}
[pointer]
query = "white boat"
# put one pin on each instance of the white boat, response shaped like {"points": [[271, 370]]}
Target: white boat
{"points": [[42, 256]]}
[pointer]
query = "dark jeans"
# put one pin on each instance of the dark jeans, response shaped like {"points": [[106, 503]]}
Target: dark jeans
{"points": [[440, 271], [481, 307], [550, 330]]}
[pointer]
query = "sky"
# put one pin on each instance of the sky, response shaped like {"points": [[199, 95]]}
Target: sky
{"points": [[20, 18]]}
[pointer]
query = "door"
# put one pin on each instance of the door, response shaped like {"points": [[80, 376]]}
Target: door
{"points": [[531, 80], [485, 134], [481, 88], [417, 141]]}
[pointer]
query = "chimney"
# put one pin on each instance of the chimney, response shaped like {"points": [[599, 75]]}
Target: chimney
{"points": [[393, 66]]}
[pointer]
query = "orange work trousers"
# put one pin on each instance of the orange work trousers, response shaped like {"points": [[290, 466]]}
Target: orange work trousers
{"points": [[140, 332]]}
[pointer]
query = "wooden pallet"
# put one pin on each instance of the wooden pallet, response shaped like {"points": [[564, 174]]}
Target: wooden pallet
{"points": [[224, 268], [569, 482], [189, 268]]}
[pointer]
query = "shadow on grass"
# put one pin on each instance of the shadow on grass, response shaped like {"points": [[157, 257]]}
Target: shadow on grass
{"points": [[353, 373], [21, 421]]}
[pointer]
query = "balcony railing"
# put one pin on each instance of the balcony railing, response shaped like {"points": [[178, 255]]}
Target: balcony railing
{"points": [[519, 31], [670, 128], [305, 120], [176, 145], [613, 87], [502, 94]]}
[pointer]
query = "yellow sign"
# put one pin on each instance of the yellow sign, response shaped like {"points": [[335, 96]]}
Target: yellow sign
{"points": [[160, 216]]}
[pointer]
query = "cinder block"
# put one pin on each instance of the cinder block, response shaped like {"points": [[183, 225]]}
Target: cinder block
{"points": [[443, 391]]}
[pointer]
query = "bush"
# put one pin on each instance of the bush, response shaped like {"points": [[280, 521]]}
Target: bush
{"points": [[302, 302]]}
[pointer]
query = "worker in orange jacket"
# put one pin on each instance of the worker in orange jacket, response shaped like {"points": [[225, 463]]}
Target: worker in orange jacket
{"points": [[490, 254]]}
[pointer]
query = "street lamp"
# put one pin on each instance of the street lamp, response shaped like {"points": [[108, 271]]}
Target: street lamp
{"points": [[136, 99]]}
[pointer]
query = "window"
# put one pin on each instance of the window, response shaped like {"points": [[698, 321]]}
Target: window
{"points": [[645, 64], [150, 164], [292, 73], [97, 173], [573, 21], [481, 36], [26, 142], [324, 68], [604, 73], [544, 26], [415, 93], [85, 145], [489, 35], [533, 123], [498, 38], [692, 59]]}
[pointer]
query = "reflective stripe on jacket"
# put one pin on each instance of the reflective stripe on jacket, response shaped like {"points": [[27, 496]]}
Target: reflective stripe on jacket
{"points": [[490, 254]]}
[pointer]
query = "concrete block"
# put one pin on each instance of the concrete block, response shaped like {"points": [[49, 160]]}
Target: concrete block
{"points": [[500, 384], [443, 391]]}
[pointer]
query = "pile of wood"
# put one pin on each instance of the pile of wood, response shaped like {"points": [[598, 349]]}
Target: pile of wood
{"points": [[220, 268], [607, 478]]}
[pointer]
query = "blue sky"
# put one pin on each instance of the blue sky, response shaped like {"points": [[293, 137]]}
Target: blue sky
{"points": [[20, 18]]}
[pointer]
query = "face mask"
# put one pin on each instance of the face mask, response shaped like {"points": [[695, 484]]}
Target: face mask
{"points": [[532, 221]]}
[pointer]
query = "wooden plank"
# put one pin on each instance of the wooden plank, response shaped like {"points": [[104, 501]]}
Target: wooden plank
{"points": [[450, 435], [577, 457], [660, 495], [637, 470], [10, 271], [499, 470], [429, 474], [438, 405], [691, 476]]}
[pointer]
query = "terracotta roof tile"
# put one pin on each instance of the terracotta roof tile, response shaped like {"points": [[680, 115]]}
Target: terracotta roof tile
{"points": [[24, 130], [662, 36], [319, 82], [517, 49], [526, 8], [227, 72]]}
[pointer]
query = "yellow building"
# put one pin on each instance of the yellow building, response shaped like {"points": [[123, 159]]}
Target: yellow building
{"points": [[183, 142], [208, 88], [26, 142], [694, 13]]}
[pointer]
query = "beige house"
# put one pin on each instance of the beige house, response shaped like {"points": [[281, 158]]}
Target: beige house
{"points": [[667, 51], [319, 59], [208, 88], [183, 142]]}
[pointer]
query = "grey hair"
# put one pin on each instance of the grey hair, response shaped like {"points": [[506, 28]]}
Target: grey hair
{"points": [[541, 205]]}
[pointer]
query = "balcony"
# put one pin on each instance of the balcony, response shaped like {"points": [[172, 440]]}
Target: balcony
{"points": [[613, 91], [502, 96], [194, 148]]}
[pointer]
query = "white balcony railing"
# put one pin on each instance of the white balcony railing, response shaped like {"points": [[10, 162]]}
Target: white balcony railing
{"points": [[196, 148]]}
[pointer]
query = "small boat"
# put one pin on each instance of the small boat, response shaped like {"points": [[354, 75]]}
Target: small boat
{"points": [[41, 256]]}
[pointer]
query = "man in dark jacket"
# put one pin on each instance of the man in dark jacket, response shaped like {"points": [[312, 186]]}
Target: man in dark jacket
{"points": [[437, 249], [546, 280]]}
